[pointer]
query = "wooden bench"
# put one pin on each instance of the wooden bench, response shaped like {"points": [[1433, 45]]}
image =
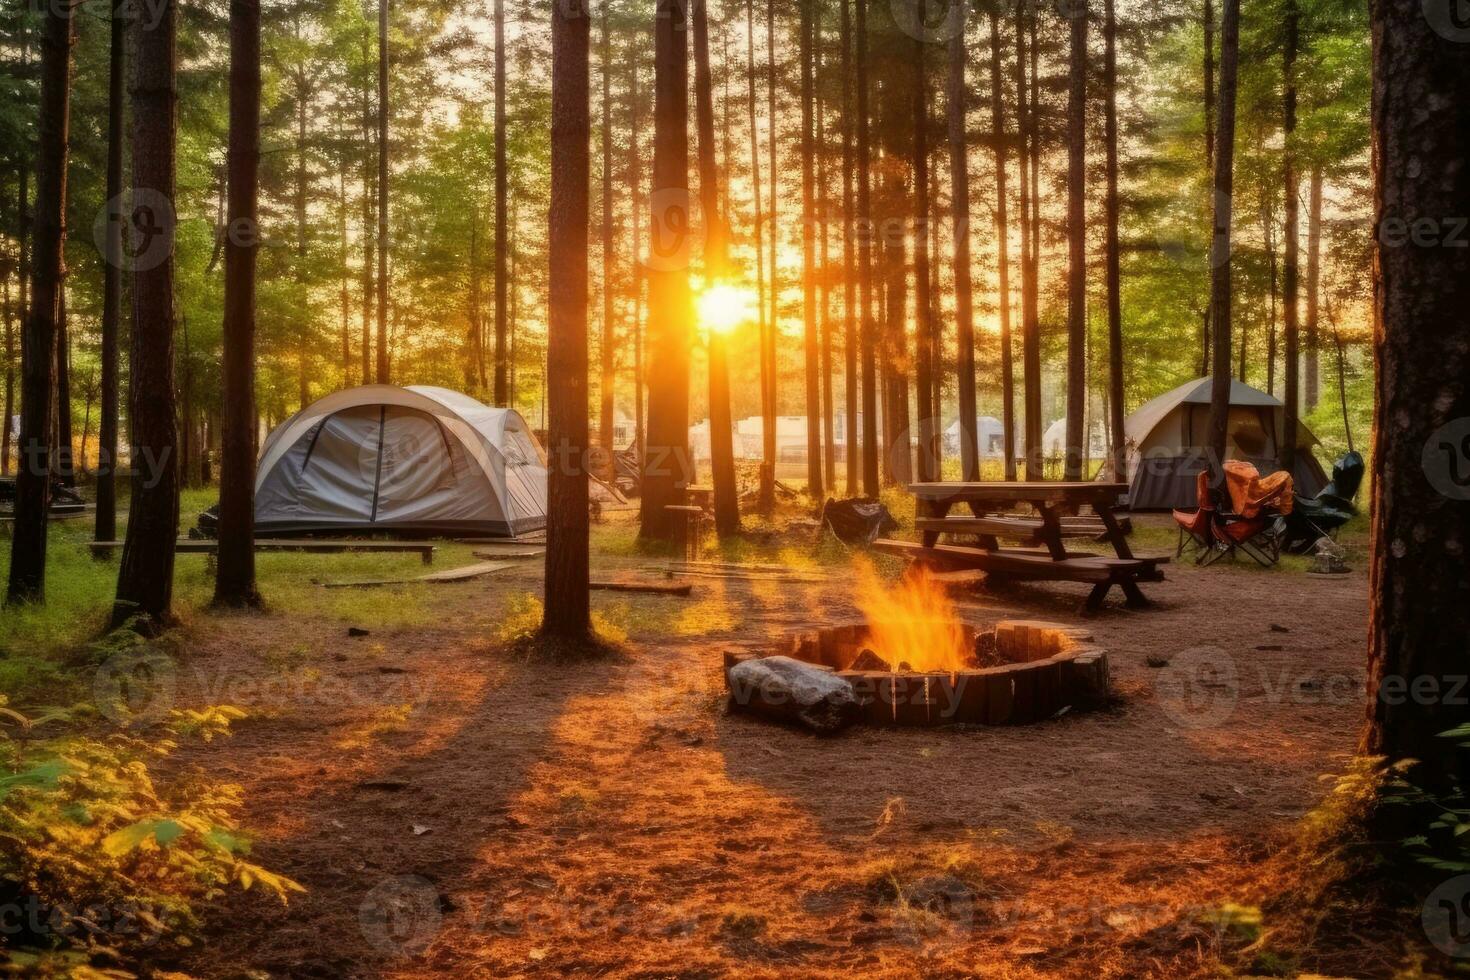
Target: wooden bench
{"points": [[1026, 565], [205, 546]]}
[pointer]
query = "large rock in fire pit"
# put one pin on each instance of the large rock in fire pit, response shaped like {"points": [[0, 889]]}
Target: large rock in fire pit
{"points": [[790, 691]]}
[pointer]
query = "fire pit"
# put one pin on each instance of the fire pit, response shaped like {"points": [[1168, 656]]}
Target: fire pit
{"points": [[1018, 673]]}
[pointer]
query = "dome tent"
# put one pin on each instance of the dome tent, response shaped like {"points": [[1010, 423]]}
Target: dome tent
{"points": [[417, 460], [1167, 438]]}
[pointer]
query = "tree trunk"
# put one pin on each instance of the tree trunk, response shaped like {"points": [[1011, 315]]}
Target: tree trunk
{"points": [[145, 578], [1118, 434], [722, 442], [1419, 613], [369, 244], [383, 113], [898, 457], [1077, 246], [924, 331], [5, 422], [635, 183], [1209, 46], [568, 606], [808, 262], [344, 298], [849, 269], [609, 333], [1292, 192], [961, 194], [1313, 380], [502, 193], [1220, 258], [66, 470], [234, 583], [773, 368], [1273, 340], [865, 234], [767, 498], [38, 342], [666, 461], [824, 282], [1030, 237]]}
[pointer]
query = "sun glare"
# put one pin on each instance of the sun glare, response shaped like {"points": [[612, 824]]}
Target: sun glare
{"points": [[723, 307]]}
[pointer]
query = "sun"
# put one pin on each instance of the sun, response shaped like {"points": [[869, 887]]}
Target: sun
{"points": [[723, 307]]}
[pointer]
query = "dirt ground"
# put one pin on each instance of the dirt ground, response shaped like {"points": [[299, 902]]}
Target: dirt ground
{"points": [[454, 811]]}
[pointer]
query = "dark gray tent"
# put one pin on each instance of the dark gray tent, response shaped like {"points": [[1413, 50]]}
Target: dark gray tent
{"points": [[415, 460], [1167, 436]]}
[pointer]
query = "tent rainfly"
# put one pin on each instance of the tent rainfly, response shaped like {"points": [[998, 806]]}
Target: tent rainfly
{"points": [[414, 460], [1167, 438]]}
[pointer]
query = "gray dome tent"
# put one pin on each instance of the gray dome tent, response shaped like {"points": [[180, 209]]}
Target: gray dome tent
{"points": [[1167, 436], [414, 460]]}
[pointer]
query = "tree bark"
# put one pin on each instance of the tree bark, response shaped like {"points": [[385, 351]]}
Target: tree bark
{"points": [[1313, 380], [1030, 236], [568, 605], [383, 113], [961, 194], [1290, 288], [502, 193], [65, 469], [824, 281], [808, 263], [924, 330], [865, 233], [145, 578], [1220, 245], [1420, 596], [609, 332], [1117, 429], [635, 183], [39, 340], [1077, 245], [849, 269], [722, 442], [1209, 46], [234, 583], [897, 454], [773, 367], [666, 461], [369, 249], [767, 493]]}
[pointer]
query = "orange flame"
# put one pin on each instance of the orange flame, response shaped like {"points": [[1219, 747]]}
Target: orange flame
{"points": [[912, 623]]}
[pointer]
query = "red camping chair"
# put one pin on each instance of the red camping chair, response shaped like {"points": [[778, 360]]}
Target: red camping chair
{"points": [[1195, 526], [1259, 537]]}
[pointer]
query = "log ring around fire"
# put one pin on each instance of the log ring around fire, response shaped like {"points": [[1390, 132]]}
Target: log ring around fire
{"points": [[1044, 668]]}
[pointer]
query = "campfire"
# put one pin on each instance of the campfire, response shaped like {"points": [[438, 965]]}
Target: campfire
{"points": [[914, 662]]}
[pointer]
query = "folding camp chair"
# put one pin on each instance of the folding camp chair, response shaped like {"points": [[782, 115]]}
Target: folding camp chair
{"points": [[1259, 537], [1322, 516], [1194, 526]]}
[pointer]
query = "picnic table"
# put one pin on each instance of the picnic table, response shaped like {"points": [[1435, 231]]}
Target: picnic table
{"points": [[1058, 516]]}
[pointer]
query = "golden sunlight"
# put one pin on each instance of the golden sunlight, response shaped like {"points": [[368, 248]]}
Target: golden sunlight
{"points": [[723, 307]]}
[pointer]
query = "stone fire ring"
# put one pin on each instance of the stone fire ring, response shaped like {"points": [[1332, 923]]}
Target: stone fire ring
{"points": [[1044, 669]]}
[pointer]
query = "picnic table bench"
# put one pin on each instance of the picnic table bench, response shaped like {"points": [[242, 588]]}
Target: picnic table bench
{"points": [[1057, 506], [208, 546]]}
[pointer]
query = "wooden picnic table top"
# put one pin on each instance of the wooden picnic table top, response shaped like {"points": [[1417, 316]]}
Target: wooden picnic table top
{"points": [[1017, 491]]}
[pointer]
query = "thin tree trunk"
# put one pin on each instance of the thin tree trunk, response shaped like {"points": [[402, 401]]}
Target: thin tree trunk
{"points": [[1077, 245], [1117, 430], [369, 245], [722, 444], [767, 494], [1273, 340], [824, 283], [383, 114], [1292, 194], [1209, 47], [865, 233], [808, 261], [969, 445], [667, 456], [773, 370], [1418, 614], [1313, 380], [5, 423], [609, 333], [475, 341], [1220, 258], [344, 298], [502, 193], [898, 455], [635, 182], [65, 465], [145, 578], [924, 330], [234, 583], [38, 343], [568, 606], [1030, 237], [849, 270]]}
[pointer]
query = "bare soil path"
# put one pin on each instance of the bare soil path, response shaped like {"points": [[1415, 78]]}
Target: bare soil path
{"points": [[454, 812]]}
